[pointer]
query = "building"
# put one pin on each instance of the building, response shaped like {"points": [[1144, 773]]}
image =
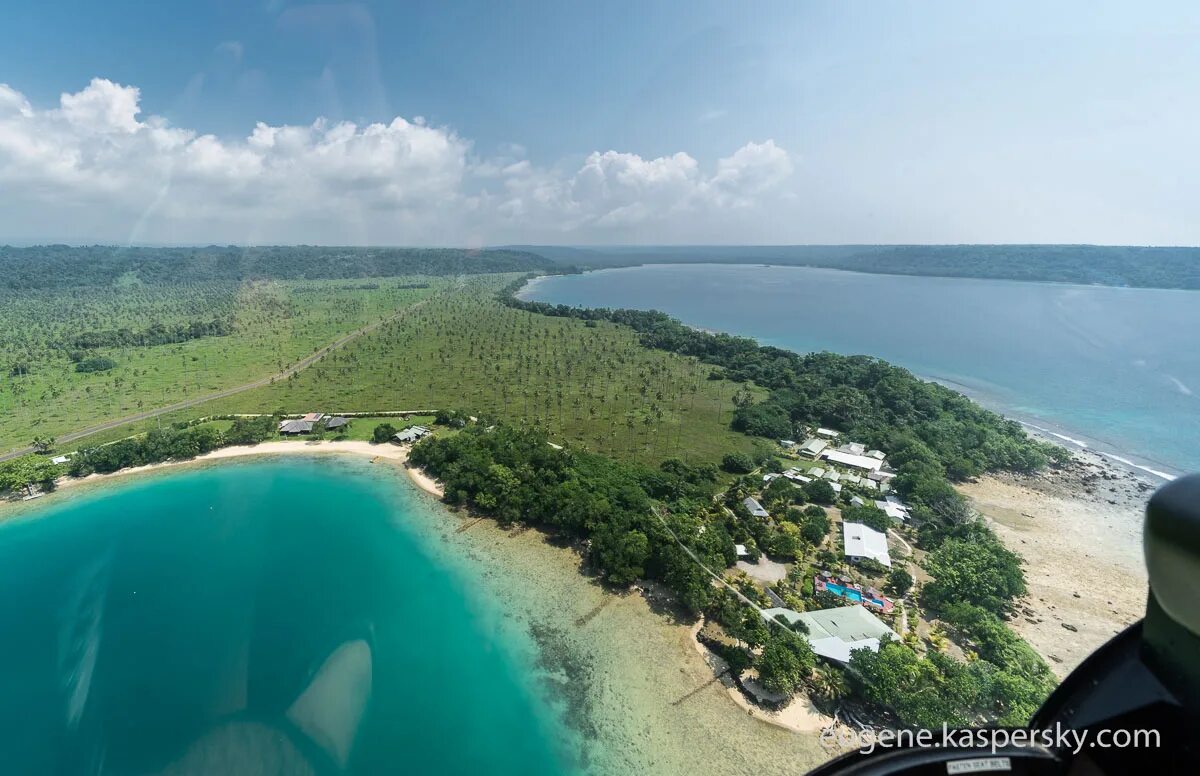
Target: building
{"points": [[60, 459], [876, 454], [857, 501], [854, 448], [313, 417], [770, 477], [742, 552], [861, 541], [410, 434], [294, 427], [812, 447], [787, 443], [755, 508], [835, 633], [879, 475], [828, 433], [853, 461], [894, 508], [333, 424], [832, 475], [816, 472], [851, 479]]}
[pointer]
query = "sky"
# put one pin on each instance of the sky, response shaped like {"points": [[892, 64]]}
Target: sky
{"points": [[697, 122]]}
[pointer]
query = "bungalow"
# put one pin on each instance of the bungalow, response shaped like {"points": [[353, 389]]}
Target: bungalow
{"points": [[828, 433], [837, 487], [876, 454], [857, 501], [755, 508], [835, 633], [741, 550], [333, 424], [771, 477], [852, 460], [812, 447], [293, 427], [879, 475], [854, 448], [313, 417], [868, 484], [832, 476], [894, 508], [816, 472], [797, 477], [861, 541], [60, 459], [787, 443], [851, 479], [410, 434]]}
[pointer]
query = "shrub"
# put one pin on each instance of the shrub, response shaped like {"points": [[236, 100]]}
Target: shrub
{"points": [[737, 463]]}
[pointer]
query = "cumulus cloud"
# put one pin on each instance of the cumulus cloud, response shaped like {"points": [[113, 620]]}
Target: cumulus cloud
{"points": [[96, 163]]}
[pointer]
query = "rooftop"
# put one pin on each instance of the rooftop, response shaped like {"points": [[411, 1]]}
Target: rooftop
{"points": [[850, 459], [864, 542], [834, 633]]}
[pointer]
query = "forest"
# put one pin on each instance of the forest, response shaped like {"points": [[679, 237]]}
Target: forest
{"points": [[64, 266]]}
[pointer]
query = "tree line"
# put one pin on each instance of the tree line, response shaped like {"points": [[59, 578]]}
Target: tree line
{"points": [[64, 266]]}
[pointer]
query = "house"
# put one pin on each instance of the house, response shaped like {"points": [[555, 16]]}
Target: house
{"points": [[60, 459], [837, 487], [854, 448], [755, 508], [861, 541], [410, 434], [787, 443], [770, 477], [816, 472], [293, 427], [852, 460], [868, 484], [313, 417], [828, 433], [835, 633], [851, 479], [879, 475], [857, 501], [894, 508], [876, 454], [333, 424], [812, 447], [832, 476], [742, 552], [795, 476]]}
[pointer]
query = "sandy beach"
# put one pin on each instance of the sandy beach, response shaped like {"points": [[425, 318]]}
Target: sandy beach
{"points": [[385, 452], [1079, 530]]}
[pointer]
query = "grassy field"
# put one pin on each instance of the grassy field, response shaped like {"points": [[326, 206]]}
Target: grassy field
{"points": [[592, 386], [275, 324]]}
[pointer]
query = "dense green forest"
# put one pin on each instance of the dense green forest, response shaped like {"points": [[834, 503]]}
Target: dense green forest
{"points": [[1109, 265], [64, 266]]}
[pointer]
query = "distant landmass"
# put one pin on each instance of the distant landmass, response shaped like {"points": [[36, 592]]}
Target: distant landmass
{"points": [[1137, 266], [65, 266]]}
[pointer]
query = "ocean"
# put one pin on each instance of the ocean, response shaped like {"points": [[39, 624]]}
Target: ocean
{"points": [[1116, 370], [163, 623]]}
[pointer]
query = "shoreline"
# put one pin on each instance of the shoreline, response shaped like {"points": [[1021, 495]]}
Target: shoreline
{"points": [[1078, 531], [380, 452]]}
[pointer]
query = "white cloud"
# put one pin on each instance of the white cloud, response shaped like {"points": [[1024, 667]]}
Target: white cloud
{"points": [[93, 168]]}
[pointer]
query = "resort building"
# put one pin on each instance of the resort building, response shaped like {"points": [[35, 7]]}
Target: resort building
{"points": [[861, 541], [410, 434], [812, 447], [816, 472], [742, 552], [313, 417], [854, 448], [828, 433], [755, 508], [876, 454], [835, 633], [333, 424], [894, 509], [832, 476], [852, 460], [293, 427]]}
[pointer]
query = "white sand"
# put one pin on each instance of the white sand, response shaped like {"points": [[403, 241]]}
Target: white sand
{"points": [[1084, 565], [384, 452]]}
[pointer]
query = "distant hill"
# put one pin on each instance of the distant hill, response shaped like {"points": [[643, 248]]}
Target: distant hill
{"points": [[1144, 267], [64, 266]]}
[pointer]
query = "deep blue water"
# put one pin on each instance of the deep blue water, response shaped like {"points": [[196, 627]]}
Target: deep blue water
{"points": [[181, 619], [1115, 368]]}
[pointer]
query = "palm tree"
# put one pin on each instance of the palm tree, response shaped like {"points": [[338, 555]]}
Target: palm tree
{"points": [[828, 684]]}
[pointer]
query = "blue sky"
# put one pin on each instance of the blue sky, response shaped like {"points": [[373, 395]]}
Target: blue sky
{"points": [[679, 122]]}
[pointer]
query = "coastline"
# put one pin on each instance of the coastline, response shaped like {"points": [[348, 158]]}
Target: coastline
{"points": [[381, 452], [1078, 530]]}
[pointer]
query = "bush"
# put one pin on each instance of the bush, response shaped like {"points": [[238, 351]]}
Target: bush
{"points": [[786, 661], [870, 516], [383, 432], [900, 581], [737, 463], [980, 572], [95, 364]]}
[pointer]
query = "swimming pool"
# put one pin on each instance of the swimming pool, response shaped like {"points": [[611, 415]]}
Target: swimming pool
{"points": [[851, 594]]}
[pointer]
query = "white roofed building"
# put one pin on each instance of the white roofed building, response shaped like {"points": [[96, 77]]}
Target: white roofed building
{"points": [[813, 447], [835, 633], [828, 433], [862, 541], [854, 461], [755, 508]]}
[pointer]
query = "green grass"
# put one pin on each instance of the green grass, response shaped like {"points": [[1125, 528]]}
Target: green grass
{"points": [[277, 324], [594, 387]]}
